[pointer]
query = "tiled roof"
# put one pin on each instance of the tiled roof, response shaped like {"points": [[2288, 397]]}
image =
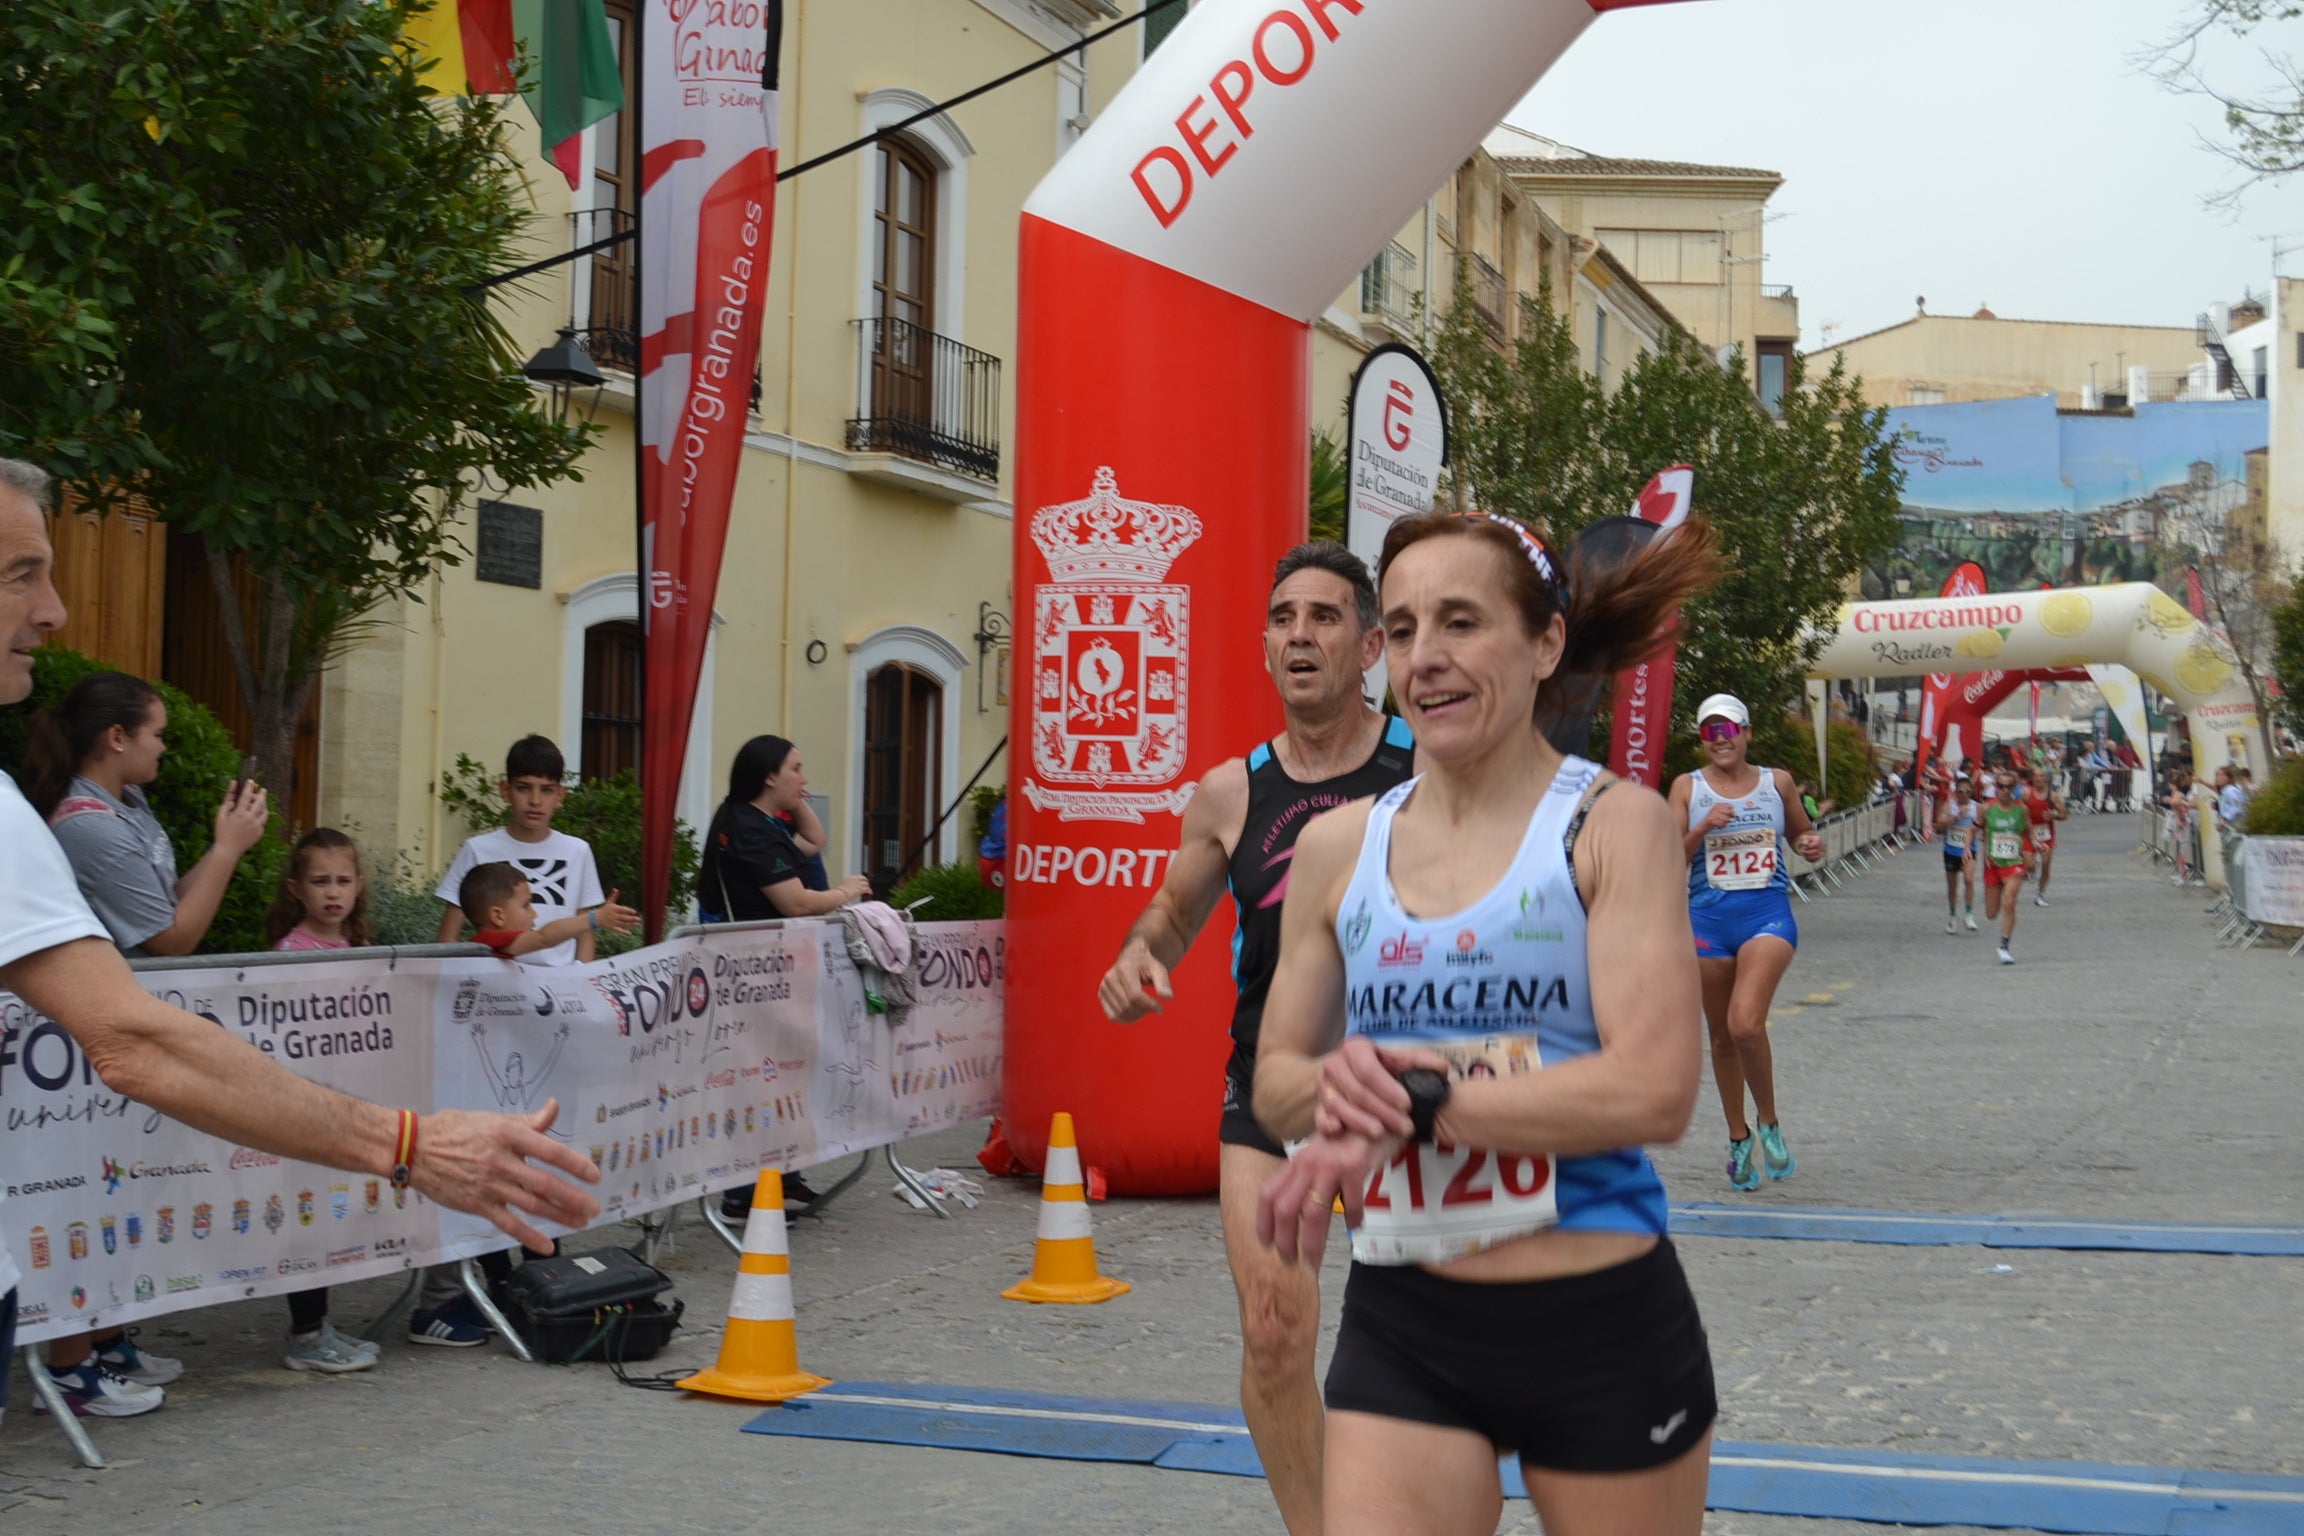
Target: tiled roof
{"points": [[1600, 165]]}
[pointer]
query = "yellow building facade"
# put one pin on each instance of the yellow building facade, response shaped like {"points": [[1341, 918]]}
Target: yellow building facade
{"points": [[1694, 237], [863, 602], [1949, 359], [864, 608]]}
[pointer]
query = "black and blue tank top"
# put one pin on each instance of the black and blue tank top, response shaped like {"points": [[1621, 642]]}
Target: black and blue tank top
{"points": [[1278, 809]]}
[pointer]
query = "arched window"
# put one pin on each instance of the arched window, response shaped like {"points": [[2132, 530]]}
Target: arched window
{"points": [[611, 719], [903, 769]]}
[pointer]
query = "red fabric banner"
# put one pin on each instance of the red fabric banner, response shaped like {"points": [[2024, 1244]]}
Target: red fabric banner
{"points": [[1643, 708], [707, 207]]}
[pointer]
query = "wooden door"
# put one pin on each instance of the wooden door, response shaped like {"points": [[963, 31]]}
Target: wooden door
{"points": [[903, 770]]}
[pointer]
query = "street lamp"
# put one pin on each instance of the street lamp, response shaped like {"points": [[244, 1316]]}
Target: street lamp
{"points": [[564, 367]]}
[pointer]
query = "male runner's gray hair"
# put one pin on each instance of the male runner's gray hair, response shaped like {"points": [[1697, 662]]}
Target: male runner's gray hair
{"points": [[31, 479], [1332, 557]]}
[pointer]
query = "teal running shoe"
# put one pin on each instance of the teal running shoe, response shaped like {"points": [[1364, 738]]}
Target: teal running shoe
{"points": [[1774, 1154], [1743, 1171]]}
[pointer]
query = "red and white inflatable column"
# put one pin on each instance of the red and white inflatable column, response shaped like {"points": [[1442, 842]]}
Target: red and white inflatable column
{"points": [[1171, 267]]}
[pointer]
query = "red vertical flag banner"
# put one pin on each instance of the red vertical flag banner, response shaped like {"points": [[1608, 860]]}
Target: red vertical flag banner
{"points": [[1936, 696], [1643, 709], [707, 205]]}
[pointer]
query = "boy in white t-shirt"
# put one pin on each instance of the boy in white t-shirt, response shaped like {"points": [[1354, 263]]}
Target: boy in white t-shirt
{"points": [[562, 879]]}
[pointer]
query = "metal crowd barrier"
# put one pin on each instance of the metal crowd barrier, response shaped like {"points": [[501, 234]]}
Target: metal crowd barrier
{"points": [[709, 1205], [1855, 842]]}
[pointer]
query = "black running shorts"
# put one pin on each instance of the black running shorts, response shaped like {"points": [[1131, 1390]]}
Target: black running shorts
{"points": [[1238, 1127], [1606, 1372]]}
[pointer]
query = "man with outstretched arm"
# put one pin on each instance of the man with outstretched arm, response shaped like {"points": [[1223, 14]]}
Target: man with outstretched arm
{"points": [[56, 956], [1321, 636]]}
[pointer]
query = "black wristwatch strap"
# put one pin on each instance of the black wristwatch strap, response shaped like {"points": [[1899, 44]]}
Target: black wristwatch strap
{"points": [[1427, 1094]]}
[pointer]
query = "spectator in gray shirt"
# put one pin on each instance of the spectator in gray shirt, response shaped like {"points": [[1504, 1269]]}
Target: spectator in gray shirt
{"points": [[87, 763]]}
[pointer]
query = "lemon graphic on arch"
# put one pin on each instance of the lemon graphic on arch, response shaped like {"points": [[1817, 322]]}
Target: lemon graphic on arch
{"points": [[2067, 614], [2201, 670], [2073, 660], [1978, 644], [2168, 616]]}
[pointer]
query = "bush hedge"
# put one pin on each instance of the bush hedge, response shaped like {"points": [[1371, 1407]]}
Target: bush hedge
{"points": [[199, 767], [960, 894], [2278, 807]]}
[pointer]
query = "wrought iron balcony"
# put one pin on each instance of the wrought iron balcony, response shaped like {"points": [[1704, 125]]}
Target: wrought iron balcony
{"points": [[1490, 297], [606, 319], [609, 325], [928, 398], [1388, 287]]}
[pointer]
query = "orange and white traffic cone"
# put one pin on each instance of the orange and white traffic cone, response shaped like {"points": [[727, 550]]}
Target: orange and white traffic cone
{"points": [[1064, 1259], [760, 1353]]}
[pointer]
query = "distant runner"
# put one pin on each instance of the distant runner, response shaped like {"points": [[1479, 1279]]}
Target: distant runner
{"points": [[2046, 808], [1733, 818], [2007, 838], [1956, 821]]}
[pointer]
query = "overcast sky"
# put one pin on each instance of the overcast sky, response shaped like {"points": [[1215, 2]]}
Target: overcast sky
{"points": [[2001, 152]]}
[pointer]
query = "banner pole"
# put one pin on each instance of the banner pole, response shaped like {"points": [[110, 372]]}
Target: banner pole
{"points": [[651, 916]]}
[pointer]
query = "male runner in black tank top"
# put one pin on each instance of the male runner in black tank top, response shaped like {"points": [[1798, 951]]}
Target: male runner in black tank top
{"points": [[1321, 636]]}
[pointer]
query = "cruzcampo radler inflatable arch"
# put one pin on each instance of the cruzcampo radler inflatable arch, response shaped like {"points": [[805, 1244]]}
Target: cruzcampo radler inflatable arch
{"points": [[2134, 624], [1171, 266]]}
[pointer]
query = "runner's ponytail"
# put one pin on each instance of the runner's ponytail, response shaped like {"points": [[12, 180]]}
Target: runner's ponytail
{"points": [[1620, 611]]}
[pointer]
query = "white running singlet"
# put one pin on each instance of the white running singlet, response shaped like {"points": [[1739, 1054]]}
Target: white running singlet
{"points": [[1501, 988]]}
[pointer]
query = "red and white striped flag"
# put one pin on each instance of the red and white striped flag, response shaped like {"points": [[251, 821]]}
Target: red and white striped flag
{"points": [[1643, 713], [707, 212]]}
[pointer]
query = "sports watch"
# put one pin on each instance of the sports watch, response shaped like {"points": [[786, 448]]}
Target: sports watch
{"points": [[1427, 1094]]}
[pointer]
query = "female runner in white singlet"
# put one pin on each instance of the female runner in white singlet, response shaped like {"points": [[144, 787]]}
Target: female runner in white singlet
{"points": [[1484, 1008]]}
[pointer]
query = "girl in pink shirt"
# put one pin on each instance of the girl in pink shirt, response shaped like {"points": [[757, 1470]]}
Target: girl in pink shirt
{"points": [[323, 905]]}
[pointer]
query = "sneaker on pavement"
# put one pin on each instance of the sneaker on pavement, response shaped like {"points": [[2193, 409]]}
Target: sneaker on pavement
{"points": [[123, 1359], [1952, 923], [1743, 1171], [330, 1352], [454, 1326], [797, 1195], [736, 1203], [93, 1392], [2039, 901], [2005, 957], [1971, 922], [1774, 1155]]}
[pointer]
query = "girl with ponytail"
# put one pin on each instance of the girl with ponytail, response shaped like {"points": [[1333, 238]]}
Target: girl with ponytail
{"points": [[1484, 1010], [88, 761]]}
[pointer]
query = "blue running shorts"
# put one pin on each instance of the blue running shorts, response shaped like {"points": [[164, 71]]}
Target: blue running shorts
{"points": [[1733, 919]]}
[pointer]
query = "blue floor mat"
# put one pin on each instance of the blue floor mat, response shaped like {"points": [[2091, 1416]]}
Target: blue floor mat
{"points": [[2083, 1498], [1922, 1229]]}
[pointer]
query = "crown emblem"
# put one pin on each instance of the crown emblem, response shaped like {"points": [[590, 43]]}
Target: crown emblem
{"points": [[1106, 537]]}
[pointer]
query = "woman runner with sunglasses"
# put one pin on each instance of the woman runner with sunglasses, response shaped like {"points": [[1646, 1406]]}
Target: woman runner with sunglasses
{"points": [[1739, 901], [1481, 1015]]}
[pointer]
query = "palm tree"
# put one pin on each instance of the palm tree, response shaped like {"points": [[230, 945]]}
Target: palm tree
{"points": [[1331, 487]]}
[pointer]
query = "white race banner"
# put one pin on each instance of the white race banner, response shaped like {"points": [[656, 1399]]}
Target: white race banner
{"points": [[116, 1213], [2273, 876], [680, 1069]]}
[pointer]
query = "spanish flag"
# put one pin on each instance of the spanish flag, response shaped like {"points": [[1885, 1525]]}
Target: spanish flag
{"points": [[558, 54]]}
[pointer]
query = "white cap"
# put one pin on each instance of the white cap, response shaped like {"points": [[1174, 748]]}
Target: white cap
{"points": [[1724, 706]]}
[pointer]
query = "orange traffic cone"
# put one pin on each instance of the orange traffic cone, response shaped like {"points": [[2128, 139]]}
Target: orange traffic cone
{"points": [[1064, 1259], [760, 1354]]}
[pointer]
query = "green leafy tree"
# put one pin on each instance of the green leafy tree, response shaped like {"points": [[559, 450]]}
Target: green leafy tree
{"points": [[1331, 488], [2288, 655], [1800, 505], [237, 248], [2267, 129]]}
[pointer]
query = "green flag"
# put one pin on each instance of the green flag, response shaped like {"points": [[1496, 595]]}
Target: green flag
{"points": [[570, 78]]}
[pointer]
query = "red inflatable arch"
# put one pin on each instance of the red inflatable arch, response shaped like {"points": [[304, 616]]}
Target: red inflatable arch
{"points": [[1171, 267]]}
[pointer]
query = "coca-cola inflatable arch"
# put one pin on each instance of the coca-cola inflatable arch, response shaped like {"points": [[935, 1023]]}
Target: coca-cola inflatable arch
{"points": [[1171, 267]]}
